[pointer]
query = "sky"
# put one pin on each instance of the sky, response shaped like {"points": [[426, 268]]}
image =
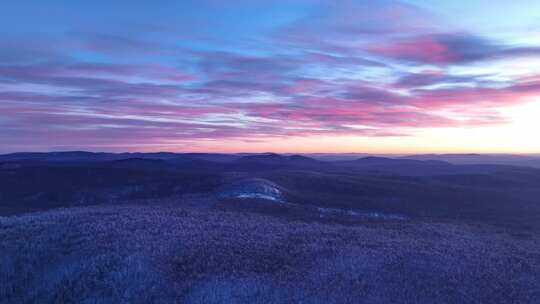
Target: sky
{"points": [[382, 76]]}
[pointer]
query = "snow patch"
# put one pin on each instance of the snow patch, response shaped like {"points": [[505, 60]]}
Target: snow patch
{"points": [[257, 188], [257, 195], [335, 212]]}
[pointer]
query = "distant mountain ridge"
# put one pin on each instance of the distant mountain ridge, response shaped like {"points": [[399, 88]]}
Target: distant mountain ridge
{"points": [[474, 158], [105, 156], [275, 159]]}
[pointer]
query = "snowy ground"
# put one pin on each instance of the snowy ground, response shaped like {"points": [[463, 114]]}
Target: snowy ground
{"points": [[158, 254]]}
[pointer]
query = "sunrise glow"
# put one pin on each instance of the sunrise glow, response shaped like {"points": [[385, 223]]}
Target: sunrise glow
{"points": [[287, 76]]}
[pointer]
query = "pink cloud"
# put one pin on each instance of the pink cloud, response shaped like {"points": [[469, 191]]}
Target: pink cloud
{"points": [[424, 49]]}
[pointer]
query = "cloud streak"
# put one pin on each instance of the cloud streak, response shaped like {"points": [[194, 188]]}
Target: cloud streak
{"points": [[338, 69]]}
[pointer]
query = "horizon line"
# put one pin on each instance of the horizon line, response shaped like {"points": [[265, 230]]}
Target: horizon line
{"points": [[283, 153]]}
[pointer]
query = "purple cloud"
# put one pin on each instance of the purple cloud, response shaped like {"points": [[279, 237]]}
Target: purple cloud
{"points": [[338, 68], [455, 48]]}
